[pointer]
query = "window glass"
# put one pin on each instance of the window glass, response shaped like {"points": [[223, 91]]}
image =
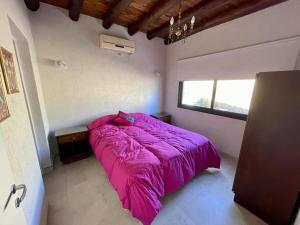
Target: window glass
{"points": [[197, 93], [234, 95]]}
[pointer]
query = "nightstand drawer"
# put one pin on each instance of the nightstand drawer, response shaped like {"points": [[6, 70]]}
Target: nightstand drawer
{"points": [[72, 137]]}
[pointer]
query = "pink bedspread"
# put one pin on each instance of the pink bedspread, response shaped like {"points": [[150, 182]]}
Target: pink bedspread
{"points": [[148, 160]]}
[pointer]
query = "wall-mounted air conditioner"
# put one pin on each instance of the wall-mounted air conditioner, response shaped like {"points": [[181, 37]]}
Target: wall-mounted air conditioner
{"points": [[117, 44]]}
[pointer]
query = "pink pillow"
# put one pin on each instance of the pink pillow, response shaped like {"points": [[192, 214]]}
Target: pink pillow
{"points": [[101, 121], [124, 119]]}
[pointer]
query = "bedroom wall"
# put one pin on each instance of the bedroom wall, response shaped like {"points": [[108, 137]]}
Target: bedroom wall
{"points": [[277, 22], [97, 81], [16, 140]]}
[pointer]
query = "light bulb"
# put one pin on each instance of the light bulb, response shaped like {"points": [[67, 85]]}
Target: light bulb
{"points": [[193, 20], [185, 27], [172, 20]]}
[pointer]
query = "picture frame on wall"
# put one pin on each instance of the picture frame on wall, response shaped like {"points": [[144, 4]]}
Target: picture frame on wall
{"points": [[4, 112], [9, 71]]}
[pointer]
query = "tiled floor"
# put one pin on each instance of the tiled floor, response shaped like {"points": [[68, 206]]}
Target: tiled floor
{"points": [[80, 194]]}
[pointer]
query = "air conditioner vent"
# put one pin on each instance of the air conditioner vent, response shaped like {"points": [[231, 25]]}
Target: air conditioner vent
{"points": [[116, 44]]}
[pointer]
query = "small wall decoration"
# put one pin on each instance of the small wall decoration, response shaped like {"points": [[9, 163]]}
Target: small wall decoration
{"points": [[9, 71], [4, 112]]}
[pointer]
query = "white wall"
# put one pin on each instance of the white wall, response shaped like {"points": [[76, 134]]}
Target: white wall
{"points": [[277, 22], [16, 139], [97, 81]]}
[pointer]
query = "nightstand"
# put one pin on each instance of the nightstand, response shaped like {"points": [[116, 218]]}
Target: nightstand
{"points": [[165, 117], [73, 144]]}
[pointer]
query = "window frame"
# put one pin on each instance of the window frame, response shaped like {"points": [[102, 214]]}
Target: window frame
{"points": [[210, 110]]}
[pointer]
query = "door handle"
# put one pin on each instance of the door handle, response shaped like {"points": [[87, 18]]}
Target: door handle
{"points": [[13, 191], [20, 199]]}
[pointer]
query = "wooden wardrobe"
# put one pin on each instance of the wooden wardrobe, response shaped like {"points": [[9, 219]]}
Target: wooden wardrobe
{"points": [[267, 180]]}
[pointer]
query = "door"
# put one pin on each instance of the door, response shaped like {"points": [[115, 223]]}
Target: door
{"points": [[18, 157], [12, 215]]}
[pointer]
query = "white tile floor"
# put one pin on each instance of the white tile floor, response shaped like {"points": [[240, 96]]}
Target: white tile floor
{"points": [[80, 194]]}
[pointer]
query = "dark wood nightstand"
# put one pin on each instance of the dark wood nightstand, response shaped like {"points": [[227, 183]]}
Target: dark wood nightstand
{"points": [[165, 117], [73, 144]]}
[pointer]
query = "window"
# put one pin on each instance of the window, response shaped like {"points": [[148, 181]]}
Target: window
{"points": [[229, 98], [234, 95], [197, 93]]}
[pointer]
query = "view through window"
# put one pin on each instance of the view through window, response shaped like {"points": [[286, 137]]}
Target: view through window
{"points": [[198, 93], [234, 95], [223, 97]]}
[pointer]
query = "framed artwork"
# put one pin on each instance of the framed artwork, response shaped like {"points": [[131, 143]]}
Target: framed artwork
{"points": [[4, 112], [9, 71]]}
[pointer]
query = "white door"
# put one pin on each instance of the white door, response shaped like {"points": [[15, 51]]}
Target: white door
{"points": [[18, 158], [12, 215]]}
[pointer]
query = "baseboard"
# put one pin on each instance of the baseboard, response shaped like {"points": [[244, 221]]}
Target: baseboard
{"points": [[44, 212]]}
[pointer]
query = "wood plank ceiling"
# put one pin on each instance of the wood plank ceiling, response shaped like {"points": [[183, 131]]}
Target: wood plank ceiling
{"points": [[152, 16]]}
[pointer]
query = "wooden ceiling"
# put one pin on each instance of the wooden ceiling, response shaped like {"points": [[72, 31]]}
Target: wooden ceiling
{"points": [[152, 16]]}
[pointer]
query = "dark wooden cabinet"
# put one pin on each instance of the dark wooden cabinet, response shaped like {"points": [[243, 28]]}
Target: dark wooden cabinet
{"points": [[267, 180], [73, 144], [165, 117]]}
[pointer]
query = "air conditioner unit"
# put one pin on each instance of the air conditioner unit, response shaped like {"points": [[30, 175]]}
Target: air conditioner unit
{"points": [[117, 44]]}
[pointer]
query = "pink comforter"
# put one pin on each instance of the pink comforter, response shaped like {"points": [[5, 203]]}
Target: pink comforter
{"points": [[148, 160]]}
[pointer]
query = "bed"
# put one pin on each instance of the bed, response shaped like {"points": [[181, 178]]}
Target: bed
{"points": [[148, 160]]}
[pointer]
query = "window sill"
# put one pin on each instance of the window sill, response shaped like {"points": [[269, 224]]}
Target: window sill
{"points": [[215, 112]]}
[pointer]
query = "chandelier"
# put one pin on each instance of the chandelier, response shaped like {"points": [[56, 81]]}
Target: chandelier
{"points": [[178, 31]]}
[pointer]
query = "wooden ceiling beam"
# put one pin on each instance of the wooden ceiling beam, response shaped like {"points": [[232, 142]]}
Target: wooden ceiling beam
{"points": [[159, 9], [33, 5], [114, 11], [198, 11], [75, 7], [244, 9]]}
